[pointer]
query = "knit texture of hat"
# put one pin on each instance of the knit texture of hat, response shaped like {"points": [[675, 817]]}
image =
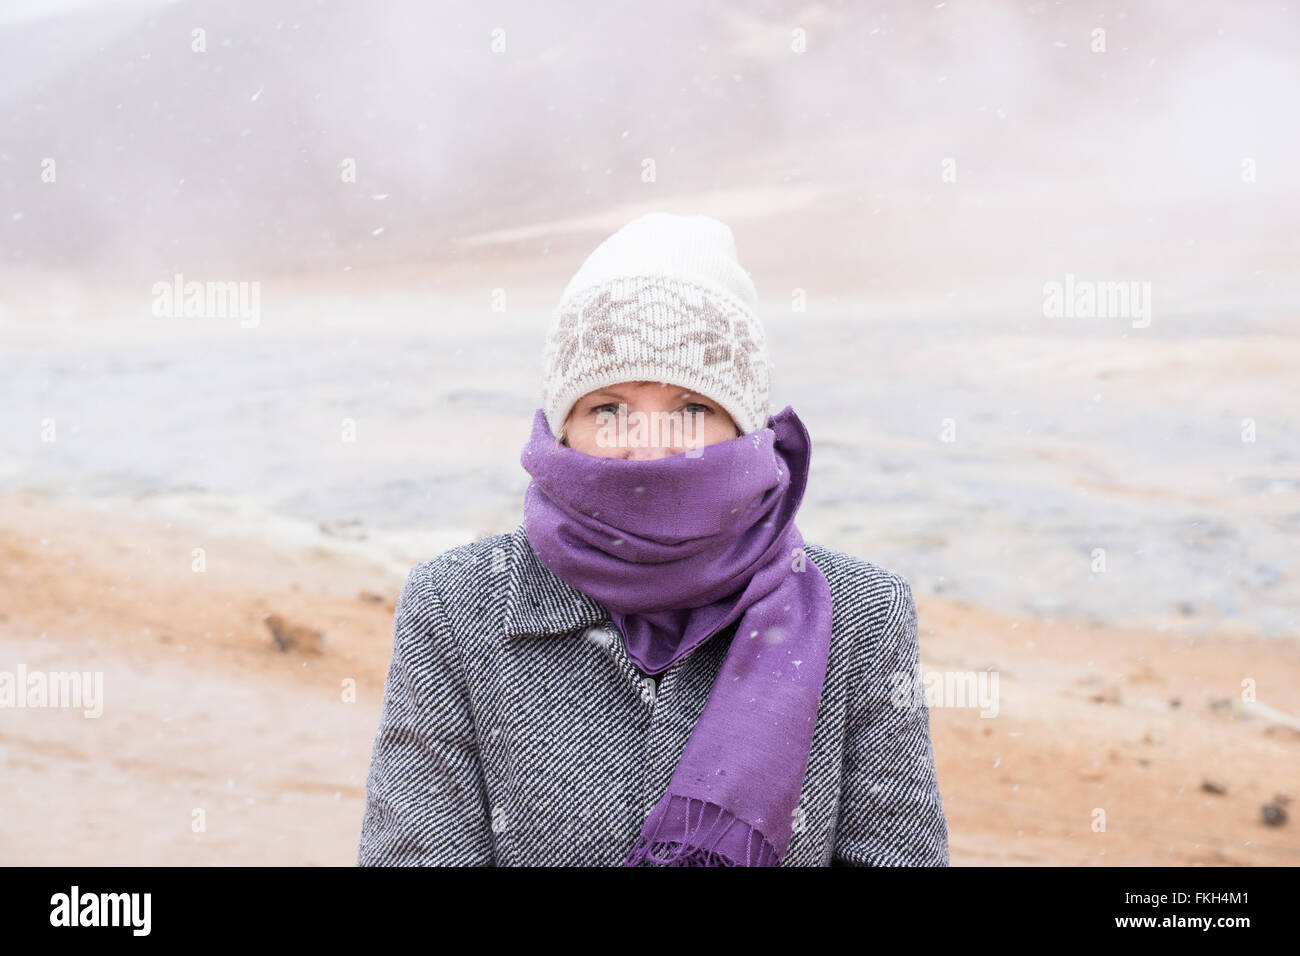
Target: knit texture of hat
{"points": [[664, 299]]}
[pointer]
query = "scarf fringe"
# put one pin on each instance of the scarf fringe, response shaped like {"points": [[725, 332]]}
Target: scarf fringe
{"points": [[700, 847]]}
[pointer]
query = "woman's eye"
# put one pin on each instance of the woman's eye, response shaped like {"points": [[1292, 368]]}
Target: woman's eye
{"points": [[701, 406], [610, 405]]}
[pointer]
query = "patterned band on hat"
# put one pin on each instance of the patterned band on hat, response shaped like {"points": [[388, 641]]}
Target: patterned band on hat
{"points": [[658, 328]]}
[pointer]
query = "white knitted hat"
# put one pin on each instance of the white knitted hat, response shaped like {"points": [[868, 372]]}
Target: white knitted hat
{"points": [[664, 299]]}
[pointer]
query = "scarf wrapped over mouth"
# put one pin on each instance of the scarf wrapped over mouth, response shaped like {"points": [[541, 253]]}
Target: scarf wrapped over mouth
{"points": [[679, 549]]}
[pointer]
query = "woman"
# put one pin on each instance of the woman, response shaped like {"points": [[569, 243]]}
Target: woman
{"points": [[654, 668]]}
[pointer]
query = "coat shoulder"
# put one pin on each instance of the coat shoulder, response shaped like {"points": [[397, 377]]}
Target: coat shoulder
{"points": [[871, 610], [859, 582], [871, 604], [467, 570]]}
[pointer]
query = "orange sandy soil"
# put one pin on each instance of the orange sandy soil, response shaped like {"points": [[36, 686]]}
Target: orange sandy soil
{"points": [[203, 713]]}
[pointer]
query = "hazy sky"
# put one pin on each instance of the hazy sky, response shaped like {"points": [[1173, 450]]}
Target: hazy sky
{"points": [[903, 149], [15, 10]]}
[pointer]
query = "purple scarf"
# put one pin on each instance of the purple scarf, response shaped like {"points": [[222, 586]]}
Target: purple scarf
{"points": [[678, 549]]}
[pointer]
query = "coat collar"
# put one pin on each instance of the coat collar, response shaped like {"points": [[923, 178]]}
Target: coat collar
{"points": [[539, 603]]}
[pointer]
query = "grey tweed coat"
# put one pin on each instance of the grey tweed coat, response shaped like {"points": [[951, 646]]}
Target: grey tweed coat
{"points": [[516, 731]]}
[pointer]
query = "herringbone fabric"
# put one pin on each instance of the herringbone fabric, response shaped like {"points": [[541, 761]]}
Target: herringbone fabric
{"points": [[516, 731]]}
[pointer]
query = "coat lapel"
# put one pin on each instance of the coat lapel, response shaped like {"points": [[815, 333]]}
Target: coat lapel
{"points": [[538, 602]]}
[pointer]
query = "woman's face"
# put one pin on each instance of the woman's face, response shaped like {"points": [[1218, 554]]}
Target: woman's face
{"points": [[654, 421]]}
